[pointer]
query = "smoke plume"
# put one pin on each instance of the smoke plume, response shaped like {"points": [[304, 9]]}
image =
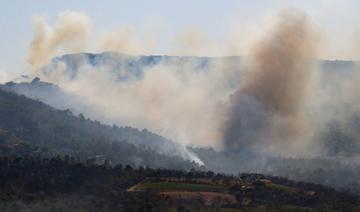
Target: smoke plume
{"points": [[172, 98], [69, 35], [267, 110]]}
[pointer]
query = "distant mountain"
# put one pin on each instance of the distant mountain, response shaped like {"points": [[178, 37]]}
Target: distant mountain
{"points": [[344, 66], [127, 67], [135, 66]]}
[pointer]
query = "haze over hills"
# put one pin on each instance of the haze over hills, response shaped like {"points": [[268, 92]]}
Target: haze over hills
{"points": [[218, 106], [340, 147], [31, 127], [99, 86], [36, 129]]}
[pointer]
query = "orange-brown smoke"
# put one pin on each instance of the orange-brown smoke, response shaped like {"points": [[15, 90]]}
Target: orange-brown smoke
{"points": [[277, 84], [70, 35]]}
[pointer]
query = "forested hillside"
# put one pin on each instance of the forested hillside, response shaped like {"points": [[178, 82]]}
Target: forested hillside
{"points": [[30, 127]]}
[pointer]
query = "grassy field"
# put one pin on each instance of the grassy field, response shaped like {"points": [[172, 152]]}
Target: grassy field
{"points": [[209, 198], [284, 187], [178, 186]]}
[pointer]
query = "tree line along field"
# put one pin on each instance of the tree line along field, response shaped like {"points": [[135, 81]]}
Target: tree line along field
{"points": [[67, 184]]}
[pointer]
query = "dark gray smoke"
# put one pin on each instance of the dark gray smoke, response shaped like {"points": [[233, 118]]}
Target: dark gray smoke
{"points": [[267, 109]]}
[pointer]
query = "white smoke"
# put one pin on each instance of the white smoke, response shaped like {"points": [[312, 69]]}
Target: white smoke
{"points": [[187, 104], [69, 34]]}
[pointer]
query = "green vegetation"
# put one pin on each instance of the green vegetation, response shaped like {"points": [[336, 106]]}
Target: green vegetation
{"points": [[179, 186], [284, 187], [66, 184]]}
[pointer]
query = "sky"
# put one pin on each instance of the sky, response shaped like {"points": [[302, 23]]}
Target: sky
{"points": [[337, 20]]}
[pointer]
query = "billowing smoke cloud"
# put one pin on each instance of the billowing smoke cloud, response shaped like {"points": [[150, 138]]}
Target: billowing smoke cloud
{"points": [[184, 101], [267, 111], [173, 98], [70, 34]]}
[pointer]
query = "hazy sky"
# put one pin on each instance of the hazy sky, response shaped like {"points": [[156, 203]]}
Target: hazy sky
{"points": [[338, 20]]}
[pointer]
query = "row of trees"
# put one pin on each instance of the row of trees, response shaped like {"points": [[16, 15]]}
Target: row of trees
{"points": [[67, 183]]}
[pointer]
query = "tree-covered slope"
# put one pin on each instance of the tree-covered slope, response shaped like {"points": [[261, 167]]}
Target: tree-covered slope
{"points": [[31, 127]]}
